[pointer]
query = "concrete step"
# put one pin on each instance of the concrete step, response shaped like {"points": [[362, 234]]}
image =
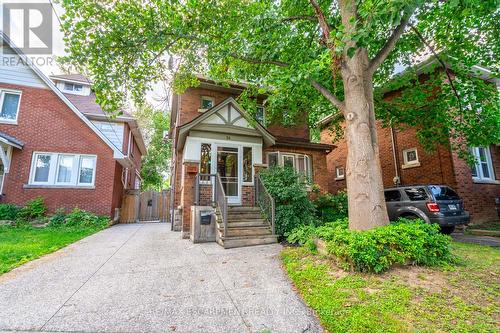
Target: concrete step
{"points": [[243, 208], [232, 242]]}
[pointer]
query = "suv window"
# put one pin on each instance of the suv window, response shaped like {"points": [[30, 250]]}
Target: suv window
{"points": [[392, 195], [444, 193], [416, 194]]}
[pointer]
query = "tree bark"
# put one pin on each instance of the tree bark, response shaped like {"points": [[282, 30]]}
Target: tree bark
{"points": [[365, 187]]}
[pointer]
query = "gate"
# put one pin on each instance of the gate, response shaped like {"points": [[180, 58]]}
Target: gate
{"points": [[145, 206]]}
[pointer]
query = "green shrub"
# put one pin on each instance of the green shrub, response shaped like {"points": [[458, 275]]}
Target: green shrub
{"points": [[58, 218], [331, 207], [406, 242], [8, 211], [301, 235], [293, 207], [82, 219], [34, 209]]}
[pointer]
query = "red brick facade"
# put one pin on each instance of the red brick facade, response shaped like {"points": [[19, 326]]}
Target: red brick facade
{"points": [[47, 124], [186, 108], [439, 167]]}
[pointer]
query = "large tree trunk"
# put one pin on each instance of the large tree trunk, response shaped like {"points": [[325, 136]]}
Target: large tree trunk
{"points": [[365, 188]]}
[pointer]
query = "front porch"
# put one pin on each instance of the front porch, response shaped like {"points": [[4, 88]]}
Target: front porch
{"points": [[214, 218]]}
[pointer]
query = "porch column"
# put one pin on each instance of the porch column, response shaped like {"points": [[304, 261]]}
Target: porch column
{"points": [[190, 169]]}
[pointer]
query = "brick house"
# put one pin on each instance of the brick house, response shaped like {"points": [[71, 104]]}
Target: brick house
{"points": [[213, 134], [404, 161], [57, 143]]}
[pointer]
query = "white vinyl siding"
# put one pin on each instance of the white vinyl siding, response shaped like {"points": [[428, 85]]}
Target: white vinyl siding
{"points": [[113, 131], [14, 71], [54, 169]]}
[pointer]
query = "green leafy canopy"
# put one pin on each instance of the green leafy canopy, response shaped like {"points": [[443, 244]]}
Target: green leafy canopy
{"points": [[126, 45]]}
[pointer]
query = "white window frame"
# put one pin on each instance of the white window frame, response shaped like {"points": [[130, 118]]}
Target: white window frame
{"points": [[479, 169], [263, 114], [54, 169], [338, 175], [208, 98], [80, 158], [286, 155], [250, 183], [58, 166], [2, 94], [74, 86], [410, 164]]}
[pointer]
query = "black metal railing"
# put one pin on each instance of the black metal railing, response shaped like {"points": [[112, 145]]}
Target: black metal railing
{"points": [[265, 201], [218, 195]]}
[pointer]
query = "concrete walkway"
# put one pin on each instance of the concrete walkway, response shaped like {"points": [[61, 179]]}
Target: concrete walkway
{"points": [[474, 239], [144, 278]]}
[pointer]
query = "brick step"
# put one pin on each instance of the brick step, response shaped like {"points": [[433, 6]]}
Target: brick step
{"points": [[232, 242]]}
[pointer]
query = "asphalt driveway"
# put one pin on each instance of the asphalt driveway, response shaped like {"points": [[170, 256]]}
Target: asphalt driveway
{"points": [[144, 278]]}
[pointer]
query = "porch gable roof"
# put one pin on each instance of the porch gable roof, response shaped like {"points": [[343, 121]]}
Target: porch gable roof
{"points": [[228, 124]]}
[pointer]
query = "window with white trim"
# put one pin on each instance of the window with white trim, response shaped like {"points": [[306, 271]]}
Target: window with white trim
{"points": [[339, 173], [410, 157], [9, 105], [483, 169], [301, 163], [55, 169], [260, 114], [207, 102], [73, 87]]}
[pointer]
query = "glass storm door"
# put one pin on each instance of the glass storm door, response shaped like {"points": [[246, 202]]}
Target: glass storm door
{"points": [[228, 170]]}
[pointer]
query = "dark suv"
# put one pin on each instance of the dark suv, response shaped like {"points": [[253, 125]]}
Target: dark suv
{"points": [[431, 203]]}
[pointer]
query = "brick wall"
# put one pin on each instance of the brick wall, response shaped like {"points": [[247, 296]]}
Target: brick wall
{"points": [[247, 195], [46, 124], [190, 103], [479, 199], [438, 167]]}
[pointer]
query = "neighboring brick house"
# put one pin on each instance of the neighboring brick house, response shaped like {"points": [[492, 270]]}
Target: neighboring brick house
{"points": [[57, 143], [212, 133], [404, 161]]}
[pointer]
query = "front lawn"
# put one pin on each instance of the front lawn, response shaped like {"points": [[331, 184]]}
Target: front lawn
{"points": [[20, 245], [461, 298]]}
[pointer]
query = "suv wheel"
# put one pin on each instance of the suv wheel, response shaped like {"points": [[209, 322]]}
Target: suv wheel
{"points": [[447, 229]]}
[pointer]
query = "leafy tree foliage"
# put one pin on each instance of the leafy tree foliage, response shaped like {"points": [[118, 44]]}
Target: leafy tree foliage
{"points": [[156, 163], [320, 56]]}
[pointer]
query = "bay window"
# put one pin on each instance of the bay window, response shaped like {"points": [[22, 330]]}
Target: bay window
{"points": [[54, 169], [301, 163]]}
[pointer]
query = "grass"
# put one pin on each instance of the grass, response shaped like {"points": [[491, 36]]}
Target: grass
{"points": [[494, 226], [20, 245], [461, 298]]}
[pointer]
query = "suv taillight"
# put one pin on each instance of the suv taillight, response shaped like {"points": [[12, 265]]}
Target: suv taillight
{"points": [[432, 207]]}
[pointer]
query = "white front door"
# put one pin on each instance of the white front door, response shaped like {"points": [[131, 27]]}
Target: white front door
{"points": [[228, 166]]}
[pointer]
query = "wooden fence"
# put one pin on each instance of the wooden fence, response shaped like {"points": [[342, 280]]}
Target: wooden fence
{"points": [[145, 206]]}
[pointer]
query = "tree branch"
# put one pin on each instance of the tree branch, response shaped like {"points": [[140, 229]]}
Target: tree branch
{"points": [[441, 62], [318, 86], [390, 44], [300, 17], [328, 95], [322, 21]]}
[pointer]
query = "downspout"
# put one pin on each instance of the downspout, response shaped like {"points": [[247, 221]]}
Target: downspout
{"points": [[396, 180]]}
